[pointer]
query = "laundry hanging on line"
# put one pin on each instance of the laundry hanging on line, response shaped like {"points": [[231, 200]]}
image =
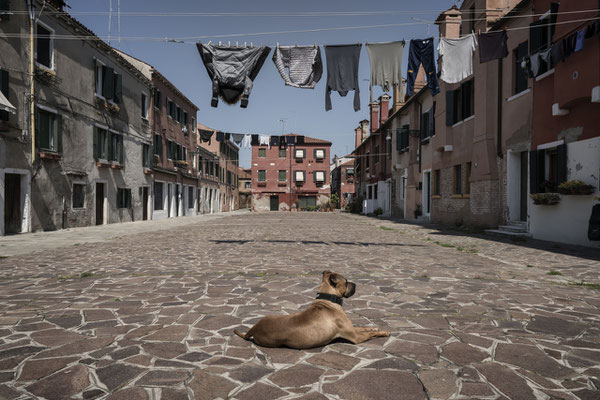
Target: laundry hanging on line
{"points": [[299, 66], [457, 58], [492, 46], [386, 64], [342, 72], [421, 52]]}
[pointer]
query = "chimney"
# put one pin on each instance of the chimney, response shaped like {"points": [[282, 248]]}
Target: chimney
{"points": [[449, 23], [398, 96], [364, 124], [374, 107], [384, 109], [358, 136]]}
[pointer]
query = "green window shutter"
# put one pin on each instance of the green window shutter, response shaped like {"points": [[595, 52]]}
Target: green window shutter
{"points": [[106, 149], [536, 35], [450, 108], [4, 82], [121, 149], [108, 82], [44, 130], [533, 174], [432, 120], [5, 6], [111, 147], [399, 132], [95, 139], [561, 164], [118, 94], [58, 133]]}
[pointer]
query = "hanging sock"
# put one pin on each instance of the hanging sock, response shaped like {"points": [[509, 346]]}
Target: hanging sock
{"points": [[237, 138], [232, 71], [220, 137], [386, 64], [300, 140], [457, 58], [492, 46], [247, 142], [342, 72], [290, 140], [579, 41], [254, 140], [299, 66], [421, 52], [274, 141]]}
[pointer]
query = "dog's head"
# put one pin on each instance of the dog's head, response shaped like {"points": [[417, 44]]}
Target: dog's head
{"points": [[336, 284]]}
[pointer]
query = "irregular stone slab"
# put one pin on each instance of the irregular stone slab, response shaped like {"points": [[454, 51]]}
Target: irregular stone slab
{"points": [[249, 373], [66, 321], [98, 315], [380, 385], [207, 386], [335, 360], [398, 363], [163, 378], [463, 354], [422, 353], [283, 355], [36, 369], [124, 353], [56, 337], [8, 393], [142, 331], [261, 391], [220, 360], [63, 384], [218, 322], [93, 394], [173, 333], [80, 347], [194, 356], [532, 359], [472, 389], [116, 375], [129, 394], [555, 326], [172, 394], [19, 351], [440, 383], [583, 358], [297, 376], [506, 381], [164, 349]]}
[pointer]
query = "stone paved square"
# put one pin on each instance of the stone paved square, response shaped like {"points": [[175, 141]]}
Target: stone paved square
{"points": [[150, 314]]}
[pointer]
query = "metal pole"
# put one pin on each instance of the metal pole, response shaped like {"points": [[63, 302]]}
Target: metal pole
{"points": [[32, 80]]}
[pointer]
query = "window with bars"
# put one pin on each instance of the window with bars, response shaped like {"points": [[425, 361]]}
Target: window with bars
{"points": [[282, 175], [78, 196]]}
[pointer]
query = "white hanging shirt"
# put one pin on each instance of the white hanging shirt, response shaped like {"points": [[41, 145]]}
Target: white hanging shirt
{"points": [[264, 139], [457, 58]]}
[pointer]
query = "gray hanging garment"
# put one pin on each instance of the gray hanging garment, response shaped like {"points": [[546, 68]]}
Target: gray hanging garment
{"points": [[237, 138], [386, 64], [299, 66], [232, 71], [342, 72]]}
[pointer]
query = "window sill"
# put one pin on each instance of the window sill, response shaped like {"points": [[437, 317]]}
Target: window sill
{"points": [[520, 94], [425, 140], [282, 183], [41, 68], [116, 166], [436, 196], [544, 75], [147, 171], [456, 196], [463, 121], [103, 164], [49, 155], [466, 196]]}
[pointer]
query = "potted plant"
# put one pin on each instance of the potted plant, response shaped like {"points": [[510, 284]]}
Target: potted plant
{"points": [[377, 212], [575, 187], [418, 210], [545, 198]]}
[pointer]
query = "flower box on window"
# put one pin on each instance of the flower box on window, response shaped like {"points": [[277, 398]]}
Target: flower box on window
{"points": [[545, 198], [575, 187]]}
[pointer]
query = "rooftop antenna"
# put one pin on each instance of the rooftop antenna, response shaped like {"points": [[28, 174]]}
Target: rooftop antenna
{"points": [[423, 20], [283, 120], [109, 19]]}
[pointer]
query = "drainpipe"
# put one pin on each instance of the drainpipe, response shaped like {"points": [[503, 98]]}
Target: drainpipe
{"points": [[419, 137], [32, 79], [499, 133]]}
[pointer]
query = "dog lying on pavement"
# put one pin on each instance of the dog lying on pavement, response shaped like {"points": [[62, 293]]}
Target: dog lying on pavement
{"points": [[323, 321]]}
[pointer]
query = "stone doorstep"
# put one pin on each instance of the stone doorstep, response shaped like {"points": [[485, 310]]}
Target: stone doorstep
{"points": [[507, 233], [513, 228]]}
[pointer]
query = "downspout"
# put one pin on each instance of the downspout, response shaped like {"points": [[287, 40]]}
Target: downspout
{"points": [[32, 80], [499, 133], [419, 137]]}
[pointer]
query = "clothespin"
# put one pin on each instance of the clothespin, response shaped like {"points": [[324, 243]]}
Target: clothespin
{"points": [[245, 45], [230, 43], [277, 44], [236, 44], [209, 42], [315, 45], [251, 45], [219, 42]]}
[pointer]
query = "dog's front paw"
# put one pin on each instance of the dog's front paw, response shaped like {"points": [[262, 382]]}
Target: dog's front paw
{"points": [[384, 333]]}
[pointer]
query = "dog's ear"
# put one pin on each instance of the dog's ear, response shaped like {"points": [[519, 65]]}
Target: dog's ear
{"points": [[327, 272], [334, 279]]}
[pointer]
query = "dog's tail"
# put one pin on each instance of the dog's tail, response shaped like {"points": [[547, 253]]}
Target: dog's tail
{"points": [[246, 335]]}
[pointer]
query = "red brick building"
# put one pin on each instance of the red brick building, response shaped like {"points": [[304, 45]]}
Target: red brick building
{"points": [[342, 181], [290, 176]]}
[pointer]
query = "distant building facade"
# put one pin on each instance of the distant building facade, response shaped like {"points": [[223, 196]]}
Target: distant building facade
{"points": [[245, 188]]}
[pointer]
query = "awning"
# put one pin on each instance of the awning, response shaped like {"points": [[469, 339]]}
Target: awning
{"points": [[5, 104]]}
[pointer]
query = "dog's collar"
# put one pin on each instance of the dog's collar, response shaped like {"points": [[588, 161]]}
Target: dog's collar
{"points": [[333, 298]]}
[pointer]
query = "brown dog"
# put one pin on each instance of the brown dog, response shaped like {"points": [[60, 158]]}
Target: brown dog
{"points": [[323, 321]]}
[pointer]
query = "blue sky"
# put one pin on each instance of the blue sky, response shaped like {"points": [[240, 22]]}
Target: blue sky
{"points": [[302, 110]]}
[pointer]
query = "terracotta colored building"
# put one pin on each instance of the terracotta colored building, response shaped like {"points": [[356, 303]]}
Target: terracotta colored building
{"points": [[565, 142], [294, 176], [342, 182], [245, 188], [172, 118], [222, 168]]}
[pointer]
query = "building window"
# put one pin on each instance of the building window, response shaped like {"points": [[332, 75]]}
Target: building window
{"points": [[144, 106], [403, 188], [282, 153], [4, 10], [299, 176], [115, 148], [4, 79], [146, 156], [78, 198], [349, 173], [109, 84], [262, 175], [376, 155], [367, 161], [300, 154], [540, 34], [282, 175], [402, 138], [193, 124], [319, 176], [158, 196], [319, 154], [158, 145], [247, 185], [520, 74], [123, 198], [179, 115], [468, 178], [157, 99], [436, 183], [369, 192], [460, 103], [262, 152], [101, 138], [44, 53], [190, 197], [457, 179], [48, 135]]}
